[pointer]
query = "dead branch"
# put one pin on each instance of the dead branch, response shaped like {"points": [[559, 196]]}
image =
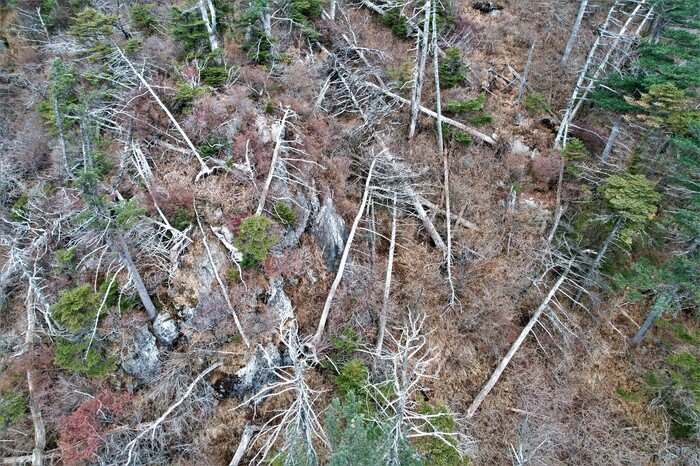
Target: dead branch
{"points": [[387, 282], [273, 163]]}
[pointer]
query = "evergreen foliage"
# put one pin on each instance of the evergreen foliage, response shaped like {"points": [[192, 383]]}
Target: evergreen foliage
{"points": [[77, 357], [453, 69], [536, 103], [12, 407], [285, 215], [255, 239], [76, 308]]}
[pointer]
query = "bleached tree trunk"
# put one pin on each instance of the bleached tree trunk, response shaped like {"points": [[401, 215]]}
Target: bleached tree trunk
{"points": [[387, 283], [122, 249], [38, 453], [273, 164], [204, 169], [331, 9], [660, 305], [461, 126], [419, 70], [515, 346], [574, 33], [599, 257], [248, 433], [526, 73], [445, 161], [206, 8], [611, 139], [343, 261]]}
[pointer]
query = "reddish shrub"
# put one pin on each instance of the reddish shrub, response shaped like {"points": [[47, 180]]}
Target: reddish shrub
{"points": [[593, 138], [81, 433], [546, 168], [170, 199]]}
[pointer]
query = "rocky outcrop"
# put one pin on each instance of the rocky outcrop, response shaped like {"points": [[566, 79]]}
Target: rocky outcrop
{"points": [[254, 377], [143, 359], [165, 328], [279, 301], [331, 233]]}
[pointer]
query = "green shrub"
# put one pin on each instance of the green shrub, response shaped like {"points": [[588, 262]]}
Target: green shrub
{"points": [[353, 377], [214, 75], [72, 357], [76, 308], [453, 70], [131, 46], [469, 105], [12, 407], [396, 21], [182, 218], [64, 256], [536, 103], [434, 450], [575, 150], [285, 215], [481, 120], [254, 240], [233, 275], [143, 18], [186, 93]]}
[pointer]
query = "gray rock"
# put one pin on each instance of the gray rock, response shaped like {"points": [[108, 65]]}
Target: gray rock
{"points": [[279, 301], [143, 359], [255, 376], [519, 118], [305, 209], [467, 161], [165, 328], [519, 147], [330, 232]]}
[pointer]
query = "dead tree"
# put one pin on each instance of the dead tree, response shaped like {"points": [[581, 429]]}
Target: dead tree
{"points": [[445, 162], [279, 139], [410, 359], [387, 282], [516, 345], [208, 11], [526, 73], [343, 261], [574, 33], [610, 143], [151, 427], [204, 168], [419, 70], [297, 427]]}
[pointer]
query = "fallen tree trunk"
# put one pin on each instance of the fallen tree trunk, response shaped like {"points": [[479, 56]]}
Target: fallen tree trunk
{"points": [[461, 126], [457, 219], [516, 345]]}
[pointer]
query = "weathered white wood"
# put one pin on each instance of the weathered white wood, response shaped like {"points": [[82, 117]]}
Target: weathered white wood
{"points": [[273, 163], [248, 433], [419, 70], [574, 33], [343, 261], [206, 8], [387, 283]]}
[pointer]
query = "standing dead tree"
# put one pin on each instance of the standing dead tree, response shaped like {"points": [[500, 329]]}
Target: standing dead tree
{"points": [[445, 161], [516, 345], [296, 427], [410, 359], [387, 282], [208, 11]]}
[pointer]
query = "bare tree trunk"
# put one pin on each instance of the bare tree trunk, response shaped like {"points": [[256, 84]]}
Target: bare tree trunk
{"points": [[273, 163], [419, 70], [122, 250], [37, 419], [526, 73], [445, 162], [343, 260], [574, 33], [599, 258], [660, 305], [611, 139], [453, 218], [331, 10], [516, 345], [247, 436], [387, 283], [477, 134], [206, 7]]}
